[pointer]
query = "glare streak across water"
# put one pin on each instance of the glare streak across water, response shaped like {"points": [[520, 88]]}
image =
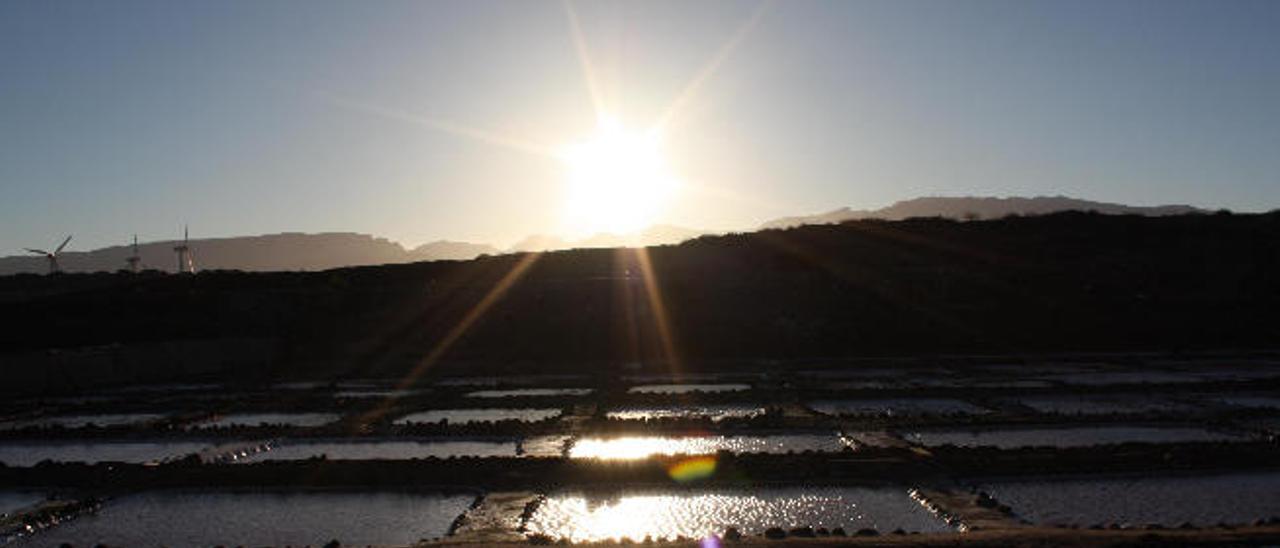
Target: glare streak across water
{"points": [[647, 446], [713, 412], [667, 515]]}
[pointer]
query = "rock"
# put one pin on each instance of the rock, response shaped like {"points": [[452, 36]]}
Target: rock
{"points": [[333, 544], [823, 532], [899, 531], [775, 533], [732, 534], [540, 539], [839, 532], [867, 532]]}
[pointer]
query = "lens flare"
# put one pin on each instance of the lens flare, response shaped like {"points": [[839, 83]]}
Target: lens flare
{"points": [[693, 469]]}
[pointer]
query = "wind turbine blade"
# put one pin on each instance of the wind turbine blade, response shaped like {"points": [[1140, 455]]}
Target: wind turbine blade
{"points": [[64, 244], [37, 251]]}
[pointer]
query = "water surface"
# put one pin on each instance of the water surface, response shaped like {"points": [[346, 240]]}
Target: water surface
{"points": [[80, 421], [465, 416], [713, 412], [582, 517], [303, 420], [897, 406], [28, 453], [12, 500], [687, 388], [1065, 437], [1170, 501], [639, 447], [1102, 405], [194, 519], [529, 392], [383, 450]]}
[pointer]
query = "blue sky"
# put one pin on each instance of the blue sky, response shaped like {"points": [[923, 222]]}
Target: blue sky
{"points": [[254, 117]]}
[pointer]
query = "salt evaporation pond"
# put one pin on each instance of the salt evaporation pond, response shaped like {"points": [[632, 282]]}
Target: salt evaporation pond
{"points": [[81, 421], [687, 388], [304, 420], [1065, 437], [639, 447], [383, 450], [465, 416], [376, 393], [1104, 378], [529, 392], [581, 517], [1251, 402], [25, 453], [201, 519], [1102, 405], [12, 501], [897, 406], [713, 412], [1169, 501]]}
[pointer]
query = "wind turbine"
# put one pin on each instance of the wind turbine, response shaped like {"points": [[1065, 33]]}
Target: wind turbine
{"points": [[52, 255], [134, 259], [185, 265]]}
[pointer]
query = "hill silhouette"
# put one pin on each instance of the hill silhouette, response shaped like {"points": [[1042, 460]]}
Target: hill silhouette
{"points": [[975, 208], [287, 251], [1061, 282]]}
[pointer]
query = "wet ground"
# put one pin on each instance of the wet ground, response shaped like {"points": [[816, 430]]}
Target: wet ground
{"points": [[895, 452]]}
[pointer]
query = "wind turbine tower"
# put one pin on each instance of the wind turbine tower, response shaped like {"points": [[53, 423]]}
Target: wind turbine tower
{"points": [[185, 265], [134, 259], [52, 256]]}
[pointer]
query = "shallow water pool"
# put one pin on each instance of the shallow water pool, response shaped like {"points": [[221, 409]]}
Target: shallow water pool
{"points": [[1065, 437], [1170, 501], [639, 447], [465, 416], [260, 519], [584, 517], [28, 453], [713, 412], [383, 450]]}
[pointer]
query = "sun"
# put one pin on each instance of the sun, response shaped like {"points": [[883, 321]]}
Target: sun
{"points": [[617, 181]]}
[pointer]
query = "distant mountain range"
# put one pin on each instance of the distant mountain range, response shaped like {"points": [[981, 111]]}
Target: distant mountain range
{"points": [[976, 208], [297, 251]]}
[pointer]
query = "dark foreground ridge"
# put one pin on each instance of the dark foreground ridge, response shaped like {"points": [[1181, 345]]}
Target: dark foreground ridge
{"points": [[1062, 282]]}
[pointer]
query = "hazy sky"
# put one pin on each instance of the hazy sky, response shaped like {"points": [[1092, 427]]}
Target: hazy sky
{"points": [[254, 117]]}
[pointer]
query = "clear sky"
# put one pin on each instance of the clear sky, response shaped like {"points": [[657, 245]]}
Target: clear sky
{"points": [[415, 120]]}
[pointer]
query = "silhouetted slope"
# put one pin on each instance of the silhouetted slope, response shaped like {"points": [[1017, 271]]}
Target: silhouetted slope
{"points": [[976, 207], [1063, 282]]}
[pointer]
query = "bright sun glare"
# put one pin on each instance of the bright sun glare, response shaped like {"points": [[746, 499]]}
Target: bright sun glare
{"points": [[618, 181]]}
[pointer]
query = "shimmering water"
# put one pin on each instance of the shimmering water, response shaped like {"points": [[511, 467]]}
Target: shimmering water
{"points": [[639, 447], [897, 406], [1103, 378], [714, 412], [687, 388], [1170, 501], [1065, 437], [383, 450], [376, 393], [1102, 405], [81, 421], [1251, 402], [529, 392], [464, 416], [191, 519], [274, 419], [26, 453], [666, 515], [12, 501]]}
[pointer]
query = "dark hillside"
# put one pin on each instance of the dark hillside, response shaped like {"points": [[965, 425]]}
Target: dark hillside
{"points": [[1062, 282]]}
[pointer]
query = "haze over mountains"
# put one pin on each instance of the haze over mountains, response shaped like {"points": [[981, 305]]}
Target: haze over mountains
{"points": [[298, 251]]}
